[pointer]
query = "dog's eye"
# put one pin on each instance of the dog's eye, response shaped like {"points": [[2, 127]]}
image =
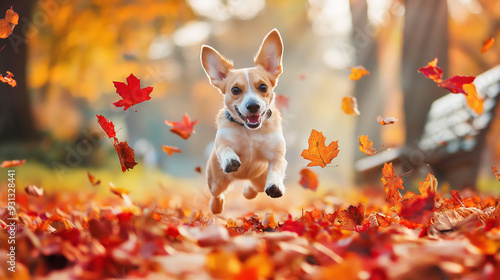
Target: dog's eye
{"points": [[236, 90], [262, 88]]}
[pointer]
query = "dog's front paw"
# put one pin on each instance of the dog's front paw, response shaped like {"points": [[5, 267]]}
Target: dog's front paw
{"points": [[232, 166], [273, 191]]}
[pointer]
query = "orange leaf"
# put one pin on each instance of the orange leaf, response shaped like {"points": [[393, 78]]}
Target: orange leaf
{"points": [[350, 105], [318, 153], [118, 191], [198, 169], [308, 179], [391, 183], [366, 146], [125, 154], [432, 71], [33, 190], [92, 179], [131, 93], [12, 163], [386, 120], [351, 217], [282, 102], [183, 128], [473, 100], [496, 173], [170, 150], [429, 186], [487, 44], [8, 79], [358, 72], [7, 25]]}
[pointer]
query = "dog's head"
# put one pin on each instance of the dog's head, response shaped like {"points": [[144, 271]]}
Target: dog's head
{"points": [[249, 92]]}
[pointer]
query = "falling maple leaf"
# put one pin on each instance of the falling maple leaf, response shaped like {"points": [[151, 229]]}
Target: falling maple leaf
{"points": [[473, 100], [107, 126], [351, 217], [183, 128], [391, 183], [358, 72], [125, 154], [487, 44], [282, 102], [308, 179], [496, 173], [34, 190], [366, 146], [12, 163], [318, 153], [350, 105], [8, 23], [455, 84], [131, 92], [8, 79], [386, 120], [93, 180], [432, 71], [170, 150]]}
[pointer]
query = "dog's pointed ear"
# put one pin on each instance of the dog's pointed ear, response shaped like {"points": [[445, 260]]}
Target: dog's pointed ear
{"points": [[270, 54], [215, 65]]}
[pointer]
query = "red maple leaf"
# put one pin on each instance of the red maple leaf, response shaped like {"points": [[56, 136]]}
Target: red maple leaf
{"points": [[125, 154], [455, 84], [132, 93], [418, 210], [107, 126], [183, 128]]}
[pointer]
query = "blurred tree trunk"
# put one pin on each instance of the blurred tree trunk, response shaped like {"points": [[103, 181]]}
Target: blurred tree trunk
{"points": [[425, 37], [367, 89], [16, 121]]}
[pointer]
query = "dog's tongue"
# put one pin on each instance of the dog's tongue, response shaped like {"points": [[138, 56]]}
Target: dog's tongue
{"points": [[253, 118]]}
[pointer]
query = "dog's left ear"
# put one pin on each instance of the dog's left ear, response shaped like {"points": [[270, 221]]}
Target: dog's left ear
{"points": [[270, 53]]}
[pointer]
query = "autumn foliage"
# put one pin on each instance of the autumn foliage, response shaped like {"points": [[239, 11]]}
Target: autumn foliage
{"points": [[416, 236]]}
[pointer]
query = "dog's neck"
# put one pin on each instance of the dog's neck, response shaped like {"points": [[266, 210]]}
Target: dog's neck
{"points": [[230, 118]]}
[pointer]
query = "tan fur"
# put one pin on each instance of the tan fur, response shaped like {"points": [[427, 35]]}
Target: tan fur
{"points": [[259, 151]]}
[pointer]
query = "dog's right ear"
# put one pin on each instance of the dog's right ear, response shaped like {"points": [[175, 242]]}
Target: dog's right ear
{"points": [[215, 65]]}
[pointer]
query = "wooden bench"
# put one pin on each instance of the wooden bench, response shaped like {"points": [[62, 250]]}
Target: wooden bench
{"points": [[452, 142]]}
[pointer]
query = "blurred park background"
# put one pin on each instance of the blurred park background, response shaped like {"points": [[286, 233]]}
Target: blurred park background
{"points": [[65, 55]]}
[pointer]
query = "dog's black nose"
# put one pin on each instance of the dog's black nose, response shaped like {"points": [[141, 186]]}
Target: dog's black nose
{"points": [[253, 107]]}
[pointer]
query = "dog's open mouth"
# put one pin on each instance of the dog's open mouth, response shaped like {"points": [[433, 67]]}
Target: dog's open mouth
{"points": [[251, 120]]}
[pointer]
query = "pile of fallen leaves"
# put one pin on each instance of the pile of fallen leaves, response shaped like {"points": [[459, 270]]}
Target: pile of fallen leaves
{"points": [[410, 236]]}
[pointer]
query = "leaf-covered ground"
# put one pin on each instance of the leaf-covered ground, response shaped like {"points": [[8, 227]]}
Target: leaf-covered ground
{"points": [[423, 235]]}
